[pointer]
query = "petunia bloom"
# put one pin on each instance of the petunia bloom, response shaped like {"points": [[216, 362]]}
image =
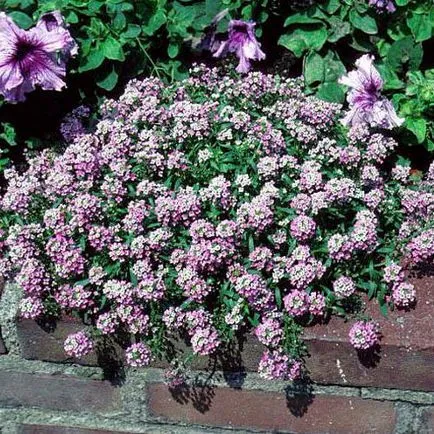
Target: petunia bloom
{"points": [[241, 41], [35, 57], [367, 106], [383, 5], [54, 21]]}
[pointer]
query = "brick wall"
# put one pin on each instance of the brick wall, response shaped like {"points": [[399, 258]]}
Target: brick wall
{"points": [[41, 391]]}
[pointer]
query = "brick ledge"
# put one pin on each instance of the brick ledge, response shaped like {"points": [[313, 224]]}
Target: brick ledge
{"points": [[405, 359]]}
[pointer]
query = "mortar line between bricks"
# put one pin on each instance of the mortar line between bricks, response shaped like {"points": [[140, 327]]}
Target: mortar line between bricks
{"points": [[32, 416], [248, 381]]}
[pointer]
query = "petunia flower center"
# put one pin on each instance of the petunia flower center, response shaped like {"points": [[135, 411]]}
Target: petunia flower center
{"points": [[23, 49]]}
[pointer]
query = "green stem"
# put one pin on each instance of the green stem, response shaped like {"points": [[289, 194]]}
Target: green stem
{"points": [[154, 66]]}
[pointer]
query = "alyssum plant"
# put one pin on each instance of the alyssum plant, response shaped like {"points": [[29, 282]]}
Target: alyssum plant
{"points": [[213, 207]]}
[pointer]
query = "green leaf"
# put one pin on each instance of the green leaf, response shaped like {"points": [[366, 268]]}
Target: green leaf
{"points": [[133, 277], [331, 6], [83, 282], [405, 52], [372, 288], [365, 23], [94, 5], [332, 92], [278, 296], [72, 18], [155, 22], [119, 21], [173, 50], [334, 67], [361, 42], [314, 68], [296, 45], [300, 18], [301, 40], [93, 60], [420, 26], [112, 49], [391, 80], [109, 81], [9, 135], [251, 243], [4, 162], [418, 126], [21, 19], [383, 308], [338, 29], [133, 30]]}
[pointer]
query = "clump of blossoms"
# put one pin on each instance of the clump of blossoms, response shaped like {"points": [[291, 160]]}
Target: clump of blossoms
{"points": [[383, 5], [364, 335], [213, 207]]}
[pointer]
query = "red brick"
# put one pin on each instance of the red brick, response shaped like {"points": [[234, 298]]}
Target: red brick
{"points": [[333, 362], [427, 421], [50, 429], [246, 409], [410, 329], [45, 341], [406, 358], [57, 392]]}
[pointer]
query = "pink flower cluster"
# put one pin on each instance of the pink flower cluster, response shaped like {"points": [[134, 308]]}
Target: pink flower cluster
{"points": [[208, 208], [78, 344], [364, 335], [138, 355]]}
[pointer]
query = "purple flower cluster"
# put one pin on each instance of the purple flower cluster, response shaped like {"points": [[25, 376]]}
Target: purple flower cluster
{"points": [[364, 335], [78, 344], [343, 287], [138, 355], [198, 209], [275, 365], [383, 5], [421, 248]]}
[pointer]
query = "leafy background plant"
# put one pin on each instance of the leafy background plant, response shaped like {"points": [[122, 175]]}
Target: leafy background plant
{"points": [[121, 39], [117, 40], [331, 35]]}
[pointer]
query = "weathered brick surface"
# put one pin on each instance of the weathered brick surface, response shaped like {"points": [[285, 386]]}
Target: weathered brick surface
{"points": [[427, 421], [2, 344], [44, 341], [405, 359], [394, 367], [268, 411], [57, 392], [49, 429]]}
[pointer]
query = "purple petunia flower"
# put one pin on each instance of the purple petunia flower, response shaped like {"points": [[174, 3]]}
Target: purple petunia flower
{"points": [[54, 21], [34, 57], [241, 41], [367, 106]]}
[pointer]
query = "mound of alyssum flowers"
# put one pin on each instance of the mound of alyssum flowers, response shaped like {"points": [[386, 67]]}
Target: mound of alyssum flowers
{"points": [[212, 208]]}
